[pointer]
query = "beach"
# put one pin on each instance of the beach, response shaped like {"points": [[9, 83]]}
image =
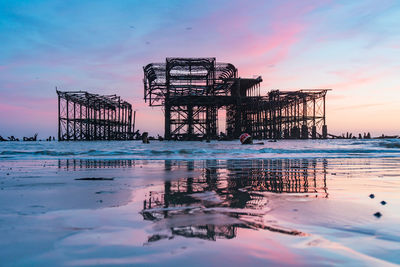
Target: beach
{"points": [[199, 133], [301, 203]]}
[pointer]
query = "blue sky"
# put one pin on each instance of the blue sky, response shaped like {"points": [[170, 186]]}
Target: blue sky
{"points": [[352, 47]]}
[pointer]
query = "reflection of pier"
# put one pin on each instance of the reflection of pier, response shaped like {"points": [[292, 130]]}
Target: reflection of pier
{"points": [[74, 164], [279, 176], [230, 194]]}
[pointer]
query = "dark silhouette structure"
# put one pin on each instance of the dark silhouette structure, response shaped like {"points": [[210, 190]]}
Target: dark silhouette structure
{"points": [[192, 90], [33, 138], [86, 116]]}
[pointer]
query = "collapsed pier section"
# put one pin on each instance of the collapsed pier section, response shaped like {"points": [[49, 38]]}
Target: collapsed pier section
{"points": [[87, 116], [296, 114], [193, 90]]}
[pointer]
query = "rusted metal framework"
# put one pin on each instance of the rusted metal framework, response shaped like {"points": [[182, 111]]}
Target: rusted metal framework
{"points": [[192, 90], [281, 114], [297, 114], [235, 190], [86, 116]]}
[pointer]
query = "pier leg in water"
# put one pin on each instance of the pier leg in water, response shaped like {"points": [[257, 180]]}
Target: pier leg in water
{"points": [[145, 138]]}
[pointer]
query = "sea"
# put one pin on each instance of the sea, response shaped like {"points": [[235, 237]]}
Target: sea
{"points": [[156, 150]]}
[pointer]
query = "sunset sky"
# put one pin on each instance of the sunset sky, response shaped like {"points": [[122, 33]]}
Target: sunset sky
{"points": [[352, 47]]}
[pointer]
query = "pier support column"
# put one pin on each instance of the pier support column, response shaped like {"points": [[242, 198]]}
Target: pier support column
{"points": [[190, 122], [277, 134], [324, 131], [304, 131], [59, 118], [286, 134], [314, 132], [295, 132], [167, 126]]}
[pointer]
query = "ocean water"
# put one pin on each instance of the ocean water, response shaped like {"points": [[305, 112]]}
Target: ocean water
{"points": [[200, 150]]}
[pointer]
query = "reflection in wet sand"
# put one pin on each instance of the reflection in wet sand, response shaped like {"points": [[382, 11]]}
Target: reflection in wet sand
{"points": [[73, 164], [261, 212], [229, 195]]}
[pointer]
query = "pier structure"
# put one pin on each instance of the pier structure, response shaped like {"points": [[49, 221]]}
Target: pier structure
{"points": [[87, 116], [193, 90], [298, 114]]}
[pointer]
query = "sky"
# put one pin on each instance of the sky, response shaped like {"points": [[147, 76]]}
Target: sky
{"points": [[352, 47]]}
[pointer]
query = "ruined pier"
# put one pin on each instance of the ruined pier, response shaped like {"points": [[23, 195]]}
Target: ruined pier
{"points": [[193, 90], [87, 116]]}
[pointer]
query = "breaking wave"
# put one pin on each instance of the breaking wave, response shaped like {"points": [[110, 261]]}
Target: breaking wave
{"points": [[200, 150], [390, 144]]}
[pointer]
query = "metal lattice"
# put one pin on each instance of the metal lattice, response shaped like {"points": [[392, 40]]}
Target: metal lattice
{"points": [[86, 116], [192, 90]]}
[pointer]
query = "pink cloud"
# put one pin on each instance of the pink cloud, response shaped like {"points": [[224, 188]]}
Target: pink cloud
{"points": [[246, 40], [22, 120], [257, 49], [362, 106], [19, 112], [27, 107], [354, 79]]}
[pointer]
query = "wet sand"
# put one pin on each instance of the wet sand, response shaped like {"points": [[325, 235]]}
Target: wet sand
{"points": [[308, 212]]}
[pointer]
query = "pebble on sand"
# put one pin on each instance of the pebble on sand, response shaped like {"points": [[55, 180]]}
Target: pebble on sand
{"points": [[378, 214]]}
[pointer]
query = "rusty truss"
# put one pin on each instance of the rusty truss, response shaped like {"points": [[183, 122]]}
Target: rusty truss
{"points": [[192, 90], [86, 116], [280, 114]]}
